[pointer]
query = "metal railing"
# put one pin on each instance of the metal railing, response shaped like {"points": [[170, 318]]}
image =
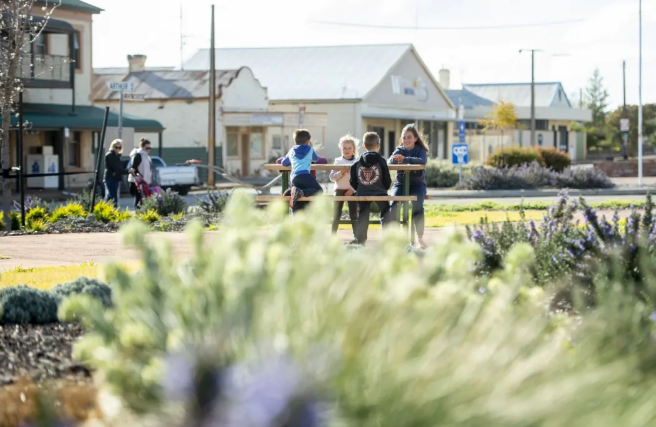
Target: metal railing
{"points": [[45, 67]]}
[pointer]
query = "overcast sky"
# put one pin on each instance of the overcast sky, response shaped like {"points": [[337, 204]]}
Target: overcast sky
{"points": [[606, 35]]}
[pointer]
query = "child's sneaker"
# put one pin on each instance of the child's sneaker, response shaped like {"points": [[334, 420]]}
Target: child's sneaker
{"points": [[421, 244], [296, 194]]}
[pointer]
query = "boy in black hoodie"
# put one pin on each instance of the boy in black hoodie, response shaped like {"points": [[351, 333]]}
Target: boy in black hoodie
{"points": [[370, 177]]}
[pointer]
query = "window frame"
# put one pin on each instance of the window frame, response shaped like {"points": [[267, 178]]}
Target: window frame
{"points": [[74, 146]]}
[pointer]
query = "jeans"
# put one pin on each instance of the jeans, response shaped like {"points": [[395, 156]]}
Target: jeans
{"points": [[310, 187], [418, 190], [337, 215], [111, 191], [363, 218]]}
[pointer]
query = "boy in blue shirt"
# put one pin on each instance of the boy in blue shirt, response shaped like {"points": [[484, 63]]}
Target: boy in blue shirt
{"points": [[300, 157]]}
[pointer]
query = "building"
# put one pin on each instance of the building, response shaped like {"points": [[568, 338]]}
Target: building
{"points": [[554, 117], [377, 88], [57, 104], [248, 134]]}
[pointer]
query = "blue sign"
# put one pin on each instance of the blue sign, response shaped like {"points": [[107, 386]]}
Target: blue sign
{"points": [[460, 154], [461, 131], [53, 168], [35, 167]]}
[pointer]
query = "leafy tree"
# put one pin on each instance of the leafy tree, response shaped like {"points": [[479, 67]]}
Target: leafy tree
{"points": [[597, 97], [649, 125], [504, 116]]}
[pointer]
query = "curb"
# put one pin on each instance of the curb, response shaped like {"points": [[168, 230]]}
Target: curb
{"points": [[500, 194]]}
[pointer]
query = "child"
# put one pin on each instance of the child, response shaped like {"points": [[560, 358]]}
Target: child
{"points": [[349, 147], [370, 177], [300, 157]]}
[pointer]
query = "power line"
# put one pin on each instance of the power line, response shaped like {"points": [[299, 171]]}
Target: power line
{"points": [[484, 27]]}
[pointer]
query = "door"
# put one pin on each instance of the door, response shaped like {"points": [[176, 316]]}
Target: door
{"points": [[563, 139], [381, 134], [391, 142], [245, 153]]}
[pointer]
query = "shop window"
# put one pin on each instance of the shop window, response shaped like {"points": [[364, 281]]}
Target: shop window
{"points": [[232, 147], [77, 51], [276, 142], [74, 151], [257, 143]]}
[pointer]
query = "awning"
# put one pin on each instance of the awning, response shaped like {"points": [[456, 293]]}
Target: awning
{"points": [[48, 116], [51, 25]]}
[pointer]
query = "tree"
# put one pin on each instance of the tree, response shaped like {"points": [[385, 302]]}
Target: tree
{"points": [[597, 97], [502, 117], [649, 125], [18, 30]]}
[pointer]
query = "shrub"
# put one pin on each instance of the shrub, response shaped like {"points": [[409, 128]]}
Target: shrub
{"points": [[442, 174], [21, 304], [554, 159], [215, 201], [150, 216], [92, 287], [30, 203], [300, 325], [15, 221], [35, 214], [105, 212], [36, 225], [69, 210], [514, 156], [165, 203], [84, 199], [534, 176]]}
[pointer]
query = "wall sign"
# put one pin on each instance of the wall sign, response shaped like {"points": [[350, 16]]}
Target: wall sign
{"points": [[266, 119], [410, 87]]}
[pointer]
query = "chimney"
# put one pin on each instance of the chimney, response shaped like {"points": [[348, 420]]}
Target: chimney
{"points": [[137, 63], [445, 78]]}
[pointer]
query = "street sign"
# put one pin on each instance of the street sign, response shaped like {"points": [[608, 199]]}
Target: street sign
{"points": [[460, 154], [134, 96], [624, 125], [461, 131], [121, 86], [301, 116]]}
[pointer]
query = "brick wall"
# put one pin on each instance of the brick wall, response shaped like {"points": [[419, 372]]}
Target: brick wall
{"points": [[622, 169]]}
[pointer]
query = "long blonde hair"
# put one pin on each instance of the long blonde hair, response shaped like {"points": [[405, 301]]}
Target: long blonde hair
{"points": [[417, 134], [114, 143], [348, 138]]}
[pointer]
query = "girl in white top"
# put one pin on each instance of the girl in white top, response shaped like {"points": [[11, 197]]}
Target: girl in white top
{"points": [[349, 147]]}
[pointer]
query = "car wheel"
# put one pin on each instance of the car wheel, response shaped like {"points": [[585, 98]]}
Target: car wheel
{"points": [[183, 191]]}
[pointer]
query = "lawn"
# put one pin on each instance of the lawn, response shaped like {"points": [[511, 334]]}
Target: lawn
{"points": [[47, 277]]}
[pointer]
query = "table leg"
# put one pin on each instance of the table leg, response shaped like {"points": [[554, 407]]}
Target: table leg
{"points": [[406, 192], [285, 181]]}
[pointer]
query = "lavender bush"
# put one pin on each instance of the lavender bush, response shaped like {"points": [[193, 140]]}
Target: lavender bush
{"points": [[165, 203], [534, 176]]}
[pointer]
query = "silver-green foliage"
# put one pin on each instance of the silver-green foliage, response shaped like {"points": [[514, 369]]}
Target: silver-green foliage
{"points": [[410, 341]]}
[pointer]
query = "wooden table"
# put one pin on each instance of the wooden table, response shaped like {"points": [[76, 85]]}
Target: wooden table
{"points": [[405, 221]]}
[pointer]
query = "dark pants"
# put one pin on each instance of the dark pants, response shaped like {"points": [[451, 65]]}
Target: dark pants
{"points": [[136, 194], [352, 208], [111, 191], [363, 218], [310, 187], [418, 190]]}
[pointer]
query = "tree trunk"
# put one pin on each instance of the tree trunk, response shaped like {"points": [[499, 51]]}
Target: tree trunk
{"points": [[4, 160]]}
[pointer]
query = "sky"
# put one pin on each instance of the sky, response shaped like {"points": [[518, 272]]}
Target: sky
{"points": [[598, 34]]}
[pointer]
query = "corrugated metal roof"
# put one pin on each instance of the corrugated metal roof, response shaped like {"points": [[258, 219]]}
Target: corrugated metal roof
{"points": [[77, 5], [517, 93], [468, 99], [172, 84], [125, 70], [309, 73]]}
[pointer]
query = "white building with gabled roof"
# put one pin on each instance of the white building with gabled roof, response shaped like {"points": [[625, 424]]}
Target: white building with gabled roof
{"points": [[361, 88]]}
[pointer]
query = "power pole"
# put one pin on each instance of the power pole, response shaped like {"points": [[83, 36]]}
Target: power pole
{"points": [[532, 92], [640, 97], [181, 41], [212, 131], [581, 98]]}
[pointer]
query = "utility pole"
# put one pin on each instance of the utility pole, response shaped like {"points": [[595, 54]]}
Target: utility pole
{"points": [[581, 98], [212, 130], [181, 41], [640, 96], [532, 92]]}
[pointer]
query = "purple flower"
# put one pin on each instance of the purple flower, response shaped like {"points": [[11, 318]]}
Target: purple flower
{"points": [[652, 317]]}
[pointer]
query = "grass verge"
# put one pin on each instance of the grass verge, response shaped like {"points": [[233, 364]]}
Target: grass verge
{"points": [[46, 278]]}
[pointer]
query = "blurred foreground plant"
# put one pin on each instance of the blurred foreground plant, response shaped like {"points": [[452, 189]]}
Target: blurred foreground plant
{"points": [[384, 337]]}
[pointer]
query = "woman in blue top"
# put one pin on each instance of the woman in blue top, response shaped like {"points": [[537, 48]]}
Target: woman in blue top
{"points": [[413, 150]]}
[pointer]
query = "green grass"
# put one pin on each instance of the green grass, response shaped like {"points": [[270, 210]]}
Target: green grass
{"points": [[47, 277], [432, 209]]}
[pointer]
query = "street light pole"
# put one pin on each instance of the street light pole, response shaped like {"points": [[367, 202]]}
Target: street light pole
{"points": [[532, 92], [640, 96]]}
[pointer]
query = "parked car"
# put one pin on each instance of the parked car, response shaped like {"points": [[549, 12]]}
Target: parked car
{"points": [[177, 178]]}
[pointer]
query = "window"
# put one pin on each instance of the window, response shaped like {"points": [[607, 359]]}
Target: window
{"points": [[257, 143], [41, 45], [276, 142], [77, 51], [73, 153], [232, 147], [539, 124]]}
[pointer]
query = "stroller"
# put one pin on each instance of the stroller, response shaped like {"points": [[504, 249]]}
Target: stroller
{"points": [[143, 188]]}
